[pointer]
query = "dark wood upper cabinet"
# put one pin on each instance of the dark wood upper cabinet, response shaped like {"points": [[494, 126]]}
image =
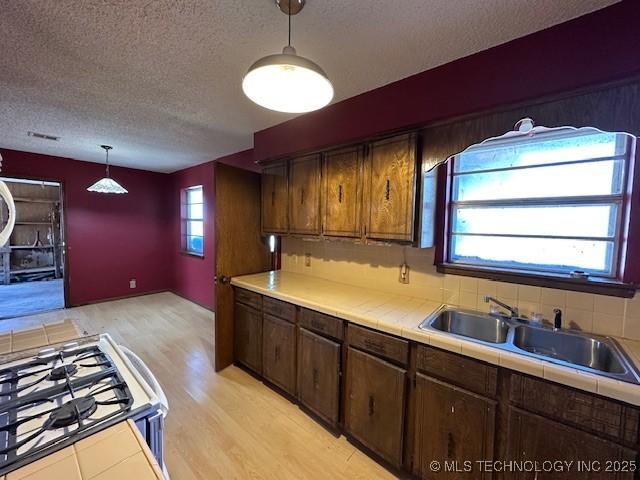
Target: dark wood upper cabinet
{"points": [[535, 438], [390, 188], [342, 192], [279, 352], [319, 375], [274, 199], [247, 336], [304, 195], [374, 404], [451, 425]]}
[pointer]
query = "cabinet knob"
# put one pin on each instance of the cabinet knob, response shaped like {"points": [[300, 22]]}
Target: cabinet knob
{"points": [[339, 193], [372, 404], [223, 279], [387, 191]]}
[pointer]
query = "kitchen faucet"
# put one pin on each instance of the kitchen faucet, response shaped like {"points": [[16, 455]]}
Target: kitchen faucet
{"points": [[557, 320], [514, 311]]}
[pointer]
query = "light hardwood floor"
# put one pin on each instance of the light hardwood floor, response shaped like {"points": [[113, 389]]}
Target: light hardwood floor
{"points": [[220, 426]]}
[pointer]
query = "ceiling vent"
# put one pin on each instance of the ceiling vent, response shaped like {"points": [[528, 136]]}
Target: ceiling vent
{"points": [[43, 136]]}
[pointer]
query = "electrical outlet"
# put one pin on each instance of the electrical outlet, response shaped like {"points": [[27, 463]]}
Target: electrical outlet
{"points": [[132, 283], [307, 259], [404, 273]]}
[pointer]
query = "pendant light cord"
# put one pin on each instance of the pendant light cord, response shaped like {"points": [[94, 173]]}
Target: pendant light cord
{"points": [[107, 163], [290, 22]]}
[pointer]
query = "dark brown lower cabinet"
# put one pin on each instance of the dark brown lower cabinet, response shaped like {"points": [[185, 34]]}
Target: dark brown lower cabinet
{"points": [[247, 337], [279, 353], [534, 438], [452, 426], [319, 375], [374, 404]]}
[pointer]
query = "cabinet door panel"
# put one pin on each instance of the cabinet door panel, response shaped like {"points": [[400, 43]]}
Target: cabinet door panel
{"points": [[279, 353], [374, 411], [247, 337], [304, 195], [274, 199], [319, 375], [343, 192], [535, 438], [391, 188], [451, 425]]}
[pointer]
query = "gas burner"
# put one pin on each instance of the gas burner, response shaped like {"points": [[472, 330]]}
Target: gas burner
{"points": [[61, 372], [47, 353], [74, 411]]}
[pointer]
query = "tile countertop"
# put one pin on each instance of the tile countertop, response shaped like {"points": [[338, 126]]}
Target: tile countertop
{"points": [[117, 453], [401, 315], [46, 334]]}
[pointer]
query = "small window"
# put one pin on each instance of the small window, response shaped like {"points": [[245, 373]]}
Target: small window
{"points": [[547, 203], [193, 220]]}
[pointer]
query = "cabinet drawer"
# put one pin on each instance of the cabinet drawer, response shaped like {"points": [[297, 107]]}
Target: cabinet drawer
{"points": [[249, 298], [583, 410], [280, 309], [321, 323], [380, 344], [465, 372]]}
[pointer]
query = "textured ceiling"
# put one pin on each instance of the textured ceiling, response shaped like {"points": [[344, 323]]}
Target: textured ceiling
{"points": [[160, 79]]}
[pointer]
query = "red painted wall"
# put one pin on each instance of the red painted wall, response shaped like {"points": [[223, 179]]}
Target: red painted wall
{"points": [[193, 276], [110, 238], [595, 48]]}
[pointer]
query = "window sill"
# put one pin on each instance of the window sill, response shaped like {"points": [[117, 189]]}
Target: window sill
{"points": [[592, 285], [192, 254]]}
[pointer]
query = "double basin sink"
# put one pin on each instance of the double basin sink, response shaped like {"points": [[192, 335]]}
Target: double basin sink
{"points": [[591, 353]]}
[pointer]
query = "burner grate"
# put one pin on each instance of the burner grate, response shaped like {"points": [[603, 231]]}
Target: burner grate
{"points": [[60, 406]]}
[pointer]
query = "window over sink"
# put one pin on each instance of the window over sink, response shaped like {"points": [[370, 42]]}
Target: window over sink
{"points": [[541, 201]]}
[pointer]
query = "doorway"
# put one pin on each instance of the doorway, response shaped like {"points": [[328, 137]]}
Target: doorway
{"points": [[32, 267]]}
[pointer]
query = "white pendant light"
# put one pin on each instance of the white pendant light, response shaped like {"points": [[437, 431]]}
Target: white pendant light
{"points": [[107, 184], [287, 82]]}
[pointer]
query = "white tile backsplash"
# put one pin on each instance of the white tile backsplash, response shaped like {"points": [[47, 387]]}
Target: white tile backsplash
{"points": [[378, 268]]}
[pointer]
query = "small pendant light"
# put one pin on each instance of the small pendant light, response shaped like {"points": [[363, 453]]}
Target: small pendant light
{"points": [[107, 184], [287, 82]]}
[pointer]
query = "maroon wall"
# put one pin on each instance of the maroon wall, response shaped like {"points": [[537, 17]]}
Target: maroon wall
{"points": [[114, 238], [110, 238], [193, 276], [595, 48]]}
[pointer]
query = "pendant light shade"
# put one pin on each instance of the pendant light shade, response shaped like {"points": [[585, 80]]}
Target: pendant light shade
{"points": [[107, 184], [287, 82]]}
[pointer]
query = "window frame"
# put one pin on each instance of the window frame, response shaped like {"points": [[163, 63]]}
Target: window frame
{"points": [[620, 282], [185, 219]]}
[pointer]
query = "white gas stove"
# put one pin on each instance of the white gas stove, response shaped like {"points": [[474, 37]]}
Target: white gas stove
{"points": [[54, 397]]}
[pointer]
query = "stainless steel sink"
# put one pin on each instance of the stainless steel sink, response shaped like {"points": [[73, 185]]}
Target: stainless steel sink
{"points": [[577, 349], [591, 353], [480, 327]]}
